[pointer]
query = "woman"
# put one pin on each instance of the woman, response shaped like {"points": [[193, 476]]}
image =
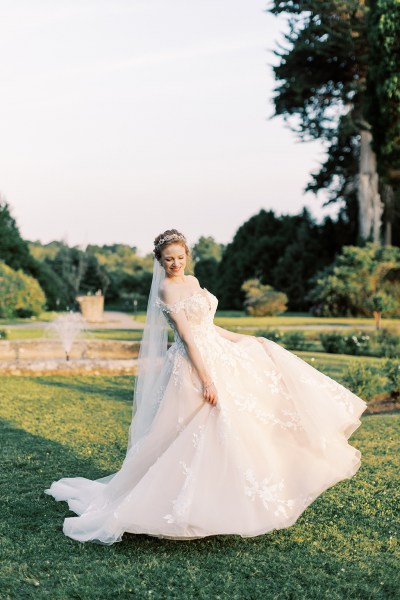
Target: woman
{"points": [[231, 434]]}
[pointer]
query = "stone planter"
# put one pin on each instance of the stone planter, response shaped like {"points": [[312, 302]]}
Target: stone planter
{"points": [[92, 308]]}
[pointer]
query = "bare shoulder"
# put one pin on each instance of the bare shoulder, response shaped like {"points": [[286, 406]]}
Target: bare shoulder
{"points": [[168, 292], [193, 280], [171, 292]]}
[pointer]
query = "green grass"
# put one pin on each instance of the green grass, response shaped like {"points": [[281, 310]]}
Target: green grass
{"points": [[233, 319], [335, 365], [344, 546], [129, 335], [25, 334], [98, 334], [263, 322]]}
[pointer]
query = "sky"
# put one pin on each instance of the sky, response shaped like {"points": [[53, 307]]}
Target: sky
{"points": [[122, 118]]}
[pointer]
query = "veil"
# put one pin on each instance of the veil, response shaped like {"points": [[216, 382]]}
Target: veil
{"points": [[152, 354]]}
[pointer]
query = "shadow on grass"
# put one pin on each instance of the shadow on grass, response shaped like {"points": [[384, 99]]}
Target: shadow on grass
{"points": [[117, 387]]}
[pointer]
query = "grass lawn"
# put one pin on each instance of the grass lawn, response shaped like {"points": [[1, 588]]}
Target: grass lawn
{"points": [[345, 545], [128, 335], [98, 334], [298, 320], [234, 319], [335, 365], [26, 334]]}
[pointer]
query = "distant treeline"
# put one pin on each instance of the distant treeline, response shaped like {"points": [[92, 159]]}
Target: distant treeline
{"points": [[282, 251]]}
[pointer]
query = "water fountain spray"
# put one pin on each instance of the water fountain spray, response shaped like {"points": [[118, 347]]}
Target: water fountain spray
{"points": [[68, 327]]}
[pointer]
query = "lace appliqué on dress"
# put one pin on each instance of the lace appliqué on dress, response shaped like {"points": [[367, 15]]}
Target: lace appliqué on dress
{"points": [[269, 492]]}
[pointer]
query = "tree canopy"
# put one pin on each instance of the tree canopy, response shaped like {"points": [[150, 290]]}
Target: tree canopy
{"points": [[14, 250], [338, 81], [281, 251]]}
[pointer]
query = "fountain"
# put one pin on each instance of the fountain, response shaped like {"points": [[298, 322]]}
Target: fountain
{"points": [[77, 354], [68, 328]]}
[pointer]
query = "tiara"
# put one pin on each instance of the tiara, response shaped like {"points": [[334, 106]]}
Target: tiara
{"points": [[169, 238]]}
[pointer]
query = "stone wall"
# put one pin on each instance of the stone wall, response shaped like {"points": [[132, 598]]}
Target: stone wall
{"points": [[42, 349], [62, 367]]}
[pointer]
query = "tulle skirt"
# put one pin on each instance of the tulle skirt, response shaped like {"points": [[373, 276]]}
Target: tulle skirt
{"points": [[277, 439]]}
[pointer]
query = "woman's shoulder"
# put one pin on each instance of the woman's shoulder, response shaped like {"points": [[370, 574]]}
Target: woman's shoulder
{"points": [[191, 278], [170, 293], [166, 292]]}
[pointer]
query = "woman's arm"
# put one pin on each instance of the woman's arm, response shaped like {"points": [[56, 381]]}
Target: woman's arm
{"points": [[235, 337], [229, 335], [185, 333]]}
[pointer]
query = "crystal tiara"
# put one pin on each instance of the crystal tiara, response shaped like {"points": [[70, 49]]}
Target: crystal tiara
{"points": [[170, 238]]}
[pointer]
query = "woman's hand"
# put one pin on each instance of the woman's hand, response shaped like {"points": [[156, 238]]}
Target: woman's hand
{"points": [[210, 393]]}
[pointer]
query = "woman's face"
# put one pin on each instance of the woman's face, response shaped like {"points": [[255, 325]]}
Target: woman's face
{"points": [[173, 259]]}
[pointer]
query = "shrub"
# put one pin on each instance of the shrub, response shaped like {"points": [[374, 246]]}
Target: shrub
{"points": [[357, 344], [362, 380], [21, 295], [361, 281], [270, 334], [332, 342], [3, 334], [262, 300], [295, 340], [391, 369], [388, 344]]}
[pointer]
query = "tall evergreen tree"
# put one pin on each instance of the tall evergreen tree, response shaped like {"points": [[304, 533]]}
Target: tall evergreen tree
{"points": [[284, 252], [14, 250]]}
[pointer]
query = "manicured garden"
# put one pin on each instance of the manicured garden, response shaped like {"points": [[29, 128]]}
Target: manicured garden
{"points": [[345, 545]]}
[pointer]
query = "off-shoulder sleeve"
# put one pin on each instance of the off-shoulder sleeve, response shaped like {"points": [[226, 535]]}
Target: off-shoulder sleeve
{"points": [[170, 308]]}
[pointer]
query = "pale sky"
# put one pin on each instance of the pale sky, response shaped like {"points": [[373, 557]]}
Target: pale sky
{"points": [[122, 118]]}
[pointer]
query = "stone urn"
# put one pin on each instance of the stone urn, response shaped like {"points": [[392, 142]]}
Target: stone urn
{"points": [[92, 307]]}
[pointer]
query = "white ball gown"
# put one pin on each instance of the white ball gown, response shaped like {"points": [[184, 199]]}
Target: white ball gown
{"points": [[277, 439]]}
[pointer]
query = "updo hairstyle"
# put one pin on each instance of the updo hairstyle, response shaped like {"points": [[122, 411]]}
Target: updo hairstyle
{"points": [[173, 233]]}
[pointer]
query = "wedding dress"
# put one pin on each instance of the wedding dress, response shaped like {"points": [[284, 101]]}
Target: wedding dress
{"points": [[276, 439]]}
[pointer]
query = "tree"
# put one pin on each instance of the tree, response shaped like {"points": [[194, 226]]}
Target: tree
{"points": [[284, 252], [14, 250], [381, 302], [56, 290], [16, 253], [323, 94], [207, 254], [205, 248], [383, 104], [95, 278], [360, 282], [129, 274], [262, 300]]}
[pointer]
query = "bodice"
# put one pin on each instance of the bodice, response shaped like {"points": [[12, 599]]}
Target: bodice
{"points": [[199, 308]]}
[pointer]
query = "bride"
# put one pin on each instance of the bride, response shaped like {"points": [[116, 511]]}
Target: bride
{"points": [[231, 433]]}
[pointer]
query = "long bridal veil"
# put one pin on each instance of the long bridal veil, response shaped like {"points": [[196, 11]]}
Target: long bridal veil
{"points": [[152, 354]]}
